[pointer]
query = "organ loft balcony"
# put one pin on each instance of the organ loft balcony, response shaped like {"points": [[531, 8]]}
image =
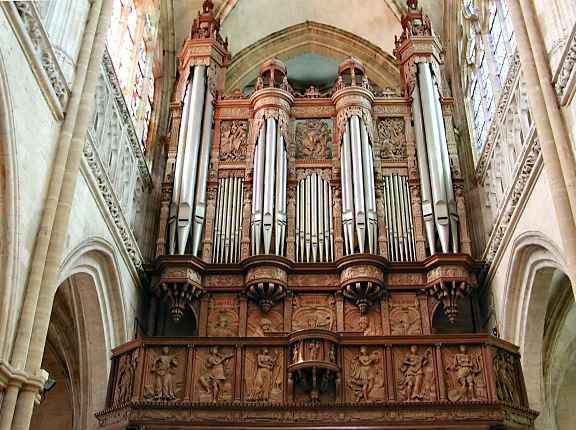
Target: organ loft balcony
{"points": [[313, 263]]}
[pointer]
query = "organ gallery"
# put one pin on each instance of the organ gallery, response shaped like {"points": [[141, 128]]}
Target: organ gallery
{"points": [[313, 259]]}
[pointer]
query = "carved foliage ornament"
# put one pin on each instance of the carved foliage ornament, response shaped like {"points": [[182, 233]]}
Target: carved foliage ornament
{"points": [[313, 139], [233, 140], [280, 115], [392, 138], [346, 113]]}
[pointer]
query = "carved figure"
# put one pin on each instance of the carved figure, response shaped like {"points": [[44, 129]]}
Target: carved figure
{"points": [[126, 370], [404, 320], [265, 325], [332, 354], [364, 376], [296, 353], [505, 378], [313, 350], [222, 326], [163, 368], [412, 373], [392, 138], [313, 139], [265, 376], [233, 138], [215, 376], [464, 369]]}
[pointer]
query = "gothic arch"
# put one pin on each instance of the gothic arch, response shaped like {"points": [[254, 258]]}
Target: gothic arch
{"points": [[316, 38], [9, 243]]}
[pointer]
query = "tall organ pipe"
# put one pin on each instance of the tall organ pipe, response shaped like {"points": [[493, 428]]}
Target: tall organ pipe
{"points": [[368, 167], [257, 197], [321, 205], [358, 182], [280, 212], [218, 223], [190, 160], [347, 205], [269, 176], [227, 231], [399, 218], [297, 222], [314, 217]]}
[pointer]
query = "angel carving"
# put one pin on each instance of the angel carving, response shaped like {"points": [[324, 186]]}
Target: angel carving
{"points": [[266, 373], [365, 375]]}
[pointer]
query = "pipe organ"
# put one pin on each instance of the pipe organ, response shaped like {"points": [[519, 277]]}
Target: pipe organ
{"points": [[305, 214], [314, 222]]}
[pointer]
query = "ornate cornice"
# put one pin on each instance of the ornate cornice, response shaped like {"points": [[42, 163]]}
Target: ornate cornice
{"points": [[565, 78], [495, 126], [126, 118]]}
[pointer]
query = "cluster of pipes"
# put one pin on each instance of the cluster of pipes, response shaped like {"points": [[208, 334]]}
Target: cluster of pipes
{"points": [[188, 205], [399, 222], [228, 222], [359, 217], [438, 203], [269, 195], [314, 222]]}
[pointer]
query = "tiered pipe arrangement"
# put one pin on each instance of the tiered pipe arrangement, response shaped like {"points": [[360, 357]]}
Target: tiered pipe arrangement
{"points": [[398, 213], [188, 206], [438, 204], [314, 225], [228, 222], [358, 199], [269, 197]]}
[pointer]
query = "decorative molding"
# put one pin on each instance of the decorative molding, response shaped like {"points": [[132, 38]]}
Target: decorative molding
{"points": [[565, 78], [126, 118]]}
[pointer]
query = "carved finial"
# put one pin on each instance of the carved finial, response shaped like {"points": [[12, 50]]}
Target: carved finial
{"points": [[412, 4]]}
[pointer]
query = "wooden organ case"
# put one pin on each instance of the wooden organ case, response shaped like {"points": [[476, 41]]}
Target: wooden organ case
{"points": [[314, 244]]}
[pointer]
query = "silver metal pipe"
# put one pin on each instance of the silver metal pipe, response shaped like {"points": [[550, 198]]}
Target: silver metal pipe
{"points": [[403, 210], [358, 182], [331, 219], [217, 224], [314, 216], [234, 215], [302, 222], [408, 204], [190, 161], [453, 212], [281, 181], [327, 215], [258, 192], [369, 189], [434, 155], [391, 213], [239, 222], [321, 206], [200, 200], [347, 204], [387, 218], [307, 218], [269, 182], [297, 223], [398, 213], [177, 176], [227, 210], [421, 152]]}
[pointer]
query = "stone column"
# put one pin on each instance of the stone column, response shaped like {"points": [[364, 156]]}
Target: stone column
{"points": [[558, 159]]}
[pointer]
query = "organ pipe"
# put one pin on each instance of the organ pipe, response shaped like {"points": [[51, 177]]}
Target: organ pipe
{"points": [[228, 223], [314, 220], [269, 199], [400, 228], [358, 192]]}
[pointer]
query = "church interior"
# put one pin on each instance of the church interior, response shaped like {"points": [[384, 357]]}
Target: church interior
{"points": [[307, 214]]}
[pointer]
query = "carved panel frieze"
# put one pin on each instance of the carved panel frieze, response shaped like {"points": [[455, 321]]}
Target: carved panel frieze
{"points": [[264, 374], [364, 374], [313, 311], [215, 374], [165, 371], [405, 317], [392, 138], [508, 380], [465, 374], [223, 316], [229, 280], [369, 324], [415, 379], [261, 323], [125, 377], [407, 279], [233, 140], [313, 139], [314, 111]]}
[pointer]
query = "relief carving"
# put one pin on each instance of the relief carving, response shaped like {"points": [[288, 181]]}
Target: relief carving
{"points": [[125, 381], [404, 316], [506, 377], [314, 139], [262, 324], [263, 377], [416, 376], [223, 316], [366, 377], [233, 140], [314, 312], [163, 369], [214, 380], [392, 138], [465, 380], [369, 324]]}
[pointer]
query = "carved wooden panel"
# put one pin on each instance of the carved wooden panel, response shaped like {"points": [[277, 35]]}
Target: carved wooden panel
{"points": [[223, 315], [264, 374], [214, 372], [369, 324], [233, 140], [392, 138], [414, 373], [313, 138], [164, 373], [364, 377], [261, 324], [404, 311], [465, 373], [313, 311]]}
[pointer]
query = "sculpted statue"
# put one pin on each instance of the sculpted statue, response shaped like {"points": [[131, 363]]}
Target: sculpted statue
{"points": [[364, 376], [126, 370], [163, 369], [215, 376], [463, 370], [412, 373], [265, 376]]}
